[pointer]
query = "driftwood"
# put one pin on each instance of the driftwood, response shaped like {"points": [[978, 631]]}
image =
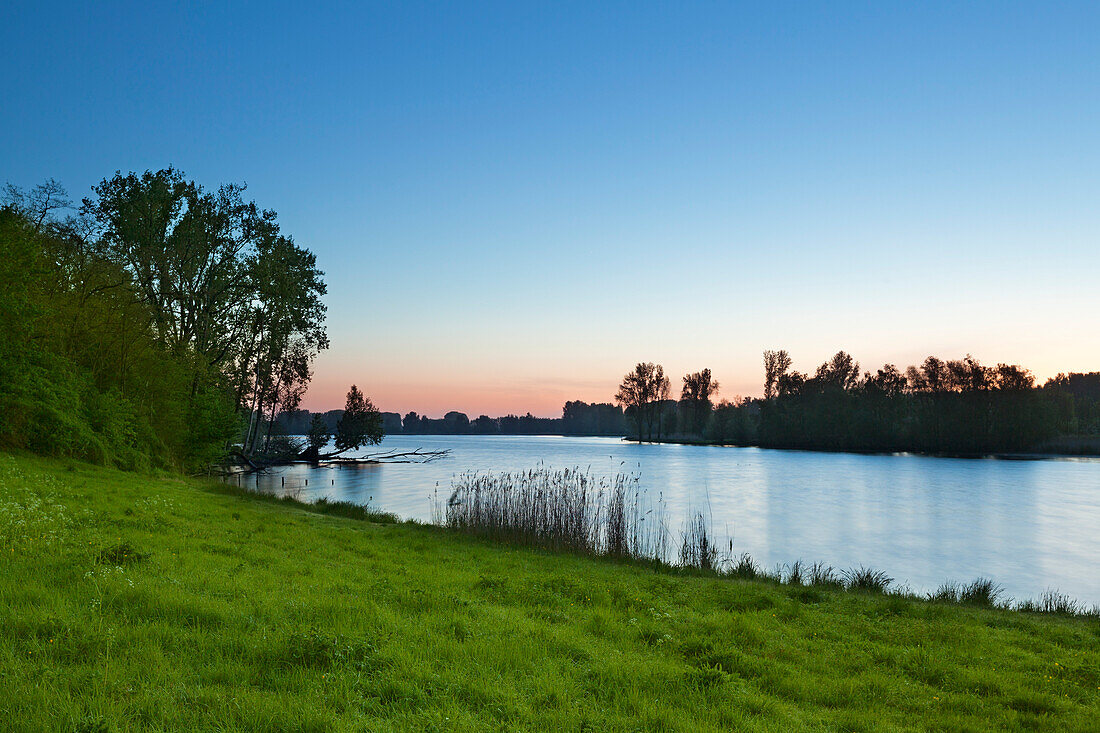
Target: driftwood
{"points": [[259, 464], [418, 455]]}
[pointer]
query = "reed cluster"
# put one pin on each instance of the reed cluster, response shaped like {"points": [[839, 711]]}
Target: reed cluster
{"points": [[566, 509]]}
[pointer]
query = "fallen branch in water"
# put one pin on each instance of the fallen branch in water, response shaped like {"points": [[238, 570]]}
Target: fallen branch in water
{"points": [[259, 464], [413, 456]]}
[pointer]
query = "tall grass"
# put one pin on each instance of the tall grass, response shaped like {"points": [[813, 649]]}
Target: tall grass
{"points": [[565, 509], [697, 548]]}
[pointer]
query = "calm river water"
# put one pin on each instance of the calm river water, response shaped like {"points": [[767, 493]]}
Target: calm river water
{"points": [[1031, 525]]}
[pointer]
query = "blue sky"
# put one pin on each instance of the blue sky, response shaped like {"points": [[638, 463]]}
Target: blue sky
{"points": [[514, 203]]}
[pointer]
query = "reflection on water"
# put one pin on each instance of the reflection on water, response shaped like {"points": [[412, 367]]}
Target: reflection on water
{"points": [[1030, 525]]}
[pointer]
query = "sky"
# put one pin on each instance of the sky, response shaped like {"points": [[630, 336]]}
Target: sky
{"points": [[514, 203]]}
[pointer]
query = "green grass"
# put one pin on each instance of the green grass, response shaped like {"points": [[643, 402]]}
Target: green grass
{"points": [[130, 602]]}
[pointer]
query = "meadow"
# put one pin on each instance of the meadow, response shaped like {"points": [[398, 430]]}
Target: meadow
{"points": [[139, 602]]}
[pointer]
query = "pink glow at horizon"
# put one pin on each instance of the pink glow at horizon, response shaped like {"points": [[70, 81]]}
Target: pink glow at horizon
{"points": [[479, 395]]}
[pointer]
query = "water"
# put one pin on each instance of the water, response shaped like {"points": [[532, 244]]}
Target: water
{"points": [[1030, 525]]}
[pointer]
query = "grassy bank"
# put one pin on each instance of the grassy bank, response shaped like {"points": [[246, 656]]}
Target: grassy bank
{"points": [[131, 602]]}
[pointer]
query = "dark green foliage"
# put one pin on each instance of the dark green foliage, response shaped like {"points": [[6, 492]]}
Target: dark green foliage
{"points": [[151, 328], [82, 377]]}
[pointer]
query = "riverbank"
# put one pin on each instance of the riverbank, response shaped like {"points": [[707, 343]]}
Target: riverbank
{"points": [[133, 602]]}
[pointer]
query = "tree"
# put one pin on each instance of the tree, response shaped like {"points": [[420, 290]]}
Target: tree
{"points": [[1014, 378], [225, 291], [840, 372], [96, 380], [318, 433], [641, 393], [696, 394], [776, 364], [931, 376], [361, 423], [456, 422], [887, 381], [39, 204], [285, 330]]}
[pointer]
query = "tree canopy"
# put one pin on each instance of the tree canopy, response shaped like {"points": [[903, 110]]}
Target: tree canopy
{"points": [[158, 323]]}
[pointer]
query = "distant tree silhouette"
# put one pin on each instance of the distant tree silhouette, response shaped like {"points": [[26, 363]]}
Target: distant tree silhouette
{"points": [[582, 418], [1078, 400], [318, 433], [840, 372], [641, 393], [485, 425], [696, 393], [456, 422], [776, 364], [957, 406], [361, 423]]}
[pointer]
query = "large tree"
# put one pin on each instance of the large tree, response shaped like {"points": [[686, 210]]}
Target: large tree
{"points": [[641, 393], [224, 289]]}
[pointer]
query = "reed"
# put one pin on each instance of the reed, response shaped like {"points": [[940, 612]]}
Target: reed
{"points": [[565, 509], [697, 548]]}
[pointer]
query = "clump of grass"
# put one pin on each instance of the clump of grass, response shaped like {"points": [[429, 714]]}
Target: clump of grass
{"points": [[745, 568], [120, 554], [794, 573], [981, 592], [948, 592], [1054, 602], [867, 580], [706, 677], [824, 575], [313, 648]]}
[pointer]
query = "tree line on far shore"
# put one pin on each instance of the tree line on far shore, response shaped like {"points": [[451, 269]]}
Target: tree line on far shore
{"points": [[948, 406], [578, 418]]}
